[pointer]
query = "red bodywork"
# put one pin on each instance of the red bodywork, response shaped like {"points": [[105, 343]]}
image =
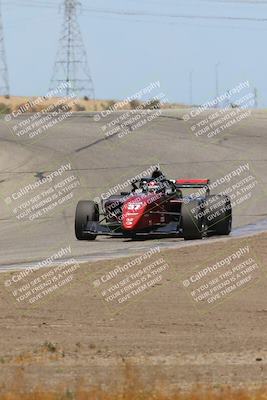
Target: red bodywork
{"points": [[192, 181], [146, 211]]}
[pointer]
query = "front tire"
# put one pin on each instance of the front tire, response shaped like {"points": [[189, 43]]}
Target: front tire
{"points": [[219, 214], [192, 220], [86, 210]]}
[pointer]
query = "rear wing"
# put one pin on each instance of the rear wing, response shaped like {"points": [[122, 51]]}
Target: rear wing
{"points": [[192, 183]]}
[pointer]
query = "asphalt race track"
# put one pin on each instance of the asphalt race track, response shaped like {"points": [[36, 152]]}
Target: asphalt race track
{"points": [[100, 160]]}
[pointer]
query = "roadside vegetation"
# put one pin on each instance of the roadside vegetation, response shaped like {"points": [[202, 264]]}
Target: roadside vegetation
{"points": [[132, 388], [4, 109], [133, 394], [7, 105]]}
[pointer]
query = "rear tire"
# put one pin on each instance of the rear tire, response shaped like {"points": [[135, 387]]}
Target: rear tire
{"points": [[192, 220], [219, 219], [86, 210]]}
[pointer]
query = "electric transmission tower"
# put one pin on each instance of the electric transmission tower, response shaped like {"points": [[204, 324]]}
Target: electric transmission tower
{"points": [[4, 85], [71, 64]]}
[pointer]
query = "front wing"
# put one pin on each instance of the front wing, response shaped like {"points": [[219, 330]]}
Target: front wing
{"points": [[97, 228]]}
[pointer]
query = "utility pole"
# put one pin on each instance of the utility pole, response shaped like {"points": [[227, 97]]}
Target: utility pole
{"points": [[191, 87], [71, 65], [255, 98], [4, 85], [217, 81]]}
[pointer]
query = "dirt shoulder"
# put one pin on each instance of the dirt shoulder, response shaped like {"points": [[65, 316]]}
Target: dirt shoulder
{"points": [[167, 328]]}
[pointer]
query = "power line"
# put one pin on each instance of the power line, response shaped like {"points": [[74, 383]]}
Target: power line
{"points": [[71, 64], [31, 5], [178, 16], [136, 13]]}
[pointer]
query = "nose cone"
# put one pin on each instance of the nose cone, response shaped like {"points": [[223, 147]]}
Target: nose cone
{"points": [[132, 212]]}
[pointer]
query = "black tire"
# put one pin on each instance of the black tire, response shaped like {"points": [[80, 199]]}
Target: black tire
{"points": [[192, 220], [218, 215], [86, 210]]}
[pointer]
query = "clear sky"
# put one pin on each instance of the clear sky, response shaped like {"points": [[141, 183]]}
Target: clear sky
{"points": [[126, 53]]}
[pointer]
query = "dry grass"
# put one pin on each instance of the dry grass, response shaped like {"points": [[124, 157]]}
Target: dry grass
{"points": [[136, 394], [132, 389], [15, 102]]}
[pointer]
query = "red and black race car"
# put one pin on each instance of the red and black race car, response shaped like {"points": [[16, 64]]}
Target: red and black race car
{"points": [[157, 206]]}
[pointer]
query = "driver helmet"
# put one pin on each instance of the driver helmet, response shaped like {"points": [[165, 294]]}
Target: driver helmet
{"points": [[153, 187], [157, 174]]}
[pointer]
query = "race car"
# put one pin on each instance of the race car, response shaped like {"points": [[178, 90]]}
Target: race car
{"points": [[157, 206]]}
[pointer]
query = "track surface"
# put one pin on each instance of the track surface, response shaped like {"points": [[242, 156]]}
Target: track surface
{"points": [[103, 162]]}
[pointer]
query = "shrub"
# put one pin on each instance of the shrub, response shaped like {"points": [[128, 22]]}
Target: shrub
{"points": [[79, 107], [152, 105], [4, 109], [61, 107], [134, 104], [110, 104], [25, 108]]}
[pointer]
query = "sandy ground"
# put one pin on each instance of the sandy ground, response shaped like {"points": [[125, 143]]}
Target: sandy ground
{"points": [[74, 333]]}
